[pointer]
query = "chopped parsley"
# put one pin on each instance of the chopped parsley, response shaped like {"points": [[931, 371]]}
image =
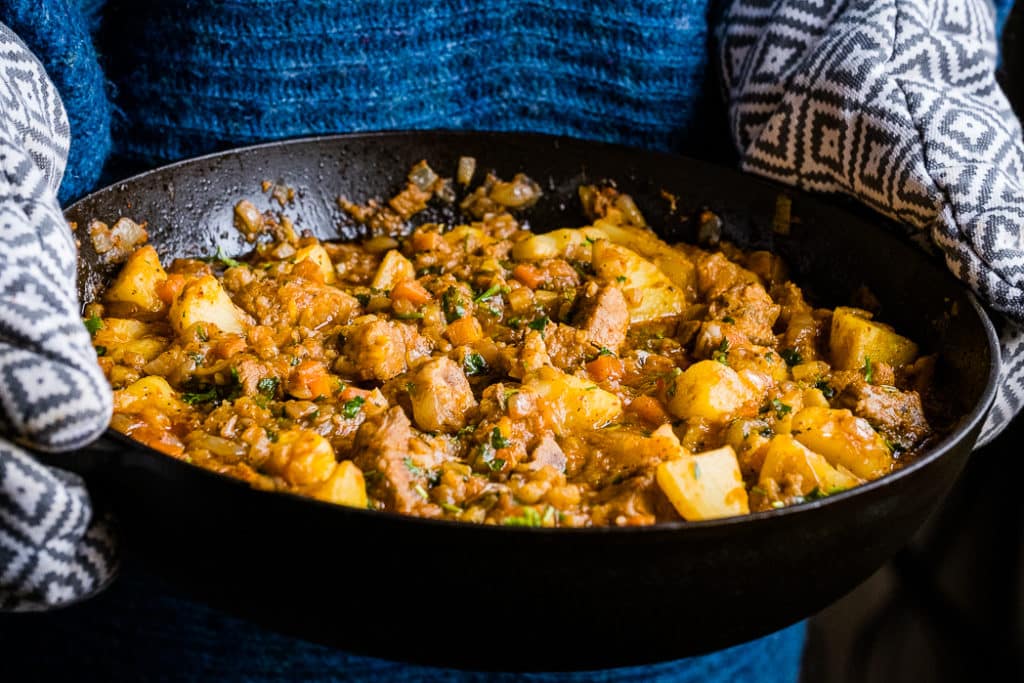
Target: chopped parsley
{"points": [[529, 517], [352, 407], [201, 333], [491, 291], [538, 324], [201, 397], [621, 278], [100, 350], [294, 361], [766, 432], [414, 469], [454, 509], [197, 358], [826, 389], [495, 464], [791, 356], [729, 319], [363, 299], [868, 370], [94, 324], [721, 354], [605, 351], [474, 364], [497, 440], [223, 258], [781, 409], [268, 386], [452, 304]]}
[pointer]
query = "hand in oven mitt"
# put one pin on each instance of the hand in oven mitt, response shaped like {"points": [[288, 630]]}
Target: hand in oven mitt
{"points": [[893, 102], [53, 396]]}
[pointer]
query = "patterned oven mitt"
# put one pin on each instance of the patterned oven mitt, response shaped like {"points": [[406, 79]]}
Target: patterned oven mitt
{"points": [[53, 396], [894, 102]]}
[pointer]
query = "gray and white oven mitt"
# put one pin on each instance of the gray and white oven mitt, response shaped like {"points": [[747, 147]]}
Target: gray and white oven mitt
{"points": [[891, 101], [894, 102], [53, 396]]}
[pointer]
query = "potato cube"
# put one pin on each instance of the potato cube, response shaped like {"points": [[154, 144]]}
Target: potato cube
{"points": [[844, 440], [672, 262], [790, 461], [301, 457], [203, 300], [710, 390], [569, 403], [148, 392], [704, 486], [572, 243], [318, 255], [649, 293], [394, 268], [135, 286], [855, 337], [345, 486]]}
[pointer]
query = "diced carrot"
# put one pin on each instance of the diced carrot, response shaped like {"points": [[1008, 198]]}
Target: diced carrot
{"points": [[310, 380], [169, 289], [529, 275], [465, 330], [350, 392], [412, 291], [650, 410], [605, 367]]}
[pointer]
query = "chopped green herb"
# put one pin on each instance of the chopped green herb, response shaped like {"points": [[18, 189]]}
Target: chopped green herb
{"points": [[491, 291], [201, 333], [766, 432], [769, 356], [234, 374], [448, 507], [791, 356], [496, 464], [729, 319], [621, 278], [529, 517], [420, 490], [268, 386], [515, 322], [410, 387], [869, 372], [429, 270], [272, 435], [352, 407], [454, 307], [94, 324], [721, 354], [605, 351], [758, 489], [825, 388], [539, 324], [100, 350], [468, 429], [413, 468], [781, 409], [474, 364], [202, 397], [363, 299], [197, 358], [223, 258], [497, 440], [295, 361]]}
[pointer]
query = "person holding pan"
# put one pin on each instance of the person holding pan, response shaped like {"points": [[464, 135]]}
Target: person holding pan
{"points": [[892, 102]]}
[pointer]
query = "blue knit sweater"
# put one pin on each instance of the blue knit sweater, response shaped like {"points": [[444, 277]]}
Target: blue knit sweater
{"points": [[149, 82]]}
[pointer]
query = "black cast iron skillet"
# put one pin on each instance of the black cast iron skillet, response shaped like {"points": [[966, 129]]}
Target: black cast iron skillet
{"points": [[480, 597]]}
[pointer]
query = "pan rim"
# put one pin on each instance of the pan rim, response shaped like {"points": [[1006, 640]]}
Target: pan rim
{"points": [[966, 424]]}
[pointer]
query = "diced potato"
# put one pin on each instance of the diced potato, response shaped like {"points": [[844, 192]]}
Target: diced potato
{"points": [[844, 439], [571, 243], [649, 293], [148, 392], [569, 403], [203, 300], [710, 390], [393, 269], [136, 284], [672, 262], [125, 335], [788, 460], [856, 337], [318, 255], [345, 486], [749, 437], [704, 486], [440, 395], [811, 371], [301, 457], [467, 237]]}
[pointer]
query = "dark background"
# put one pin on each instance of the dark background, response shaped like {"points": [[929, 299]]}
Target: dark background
{"points": [[950, 607]]}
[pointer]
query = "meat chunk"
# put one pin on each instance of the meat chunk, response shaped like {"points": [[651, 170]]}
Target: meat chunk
{"points": [[896, 414], [605, 318], [547, 452], [386, 444], [380, 349], [751, 308], [566, 346], [440, 395]]}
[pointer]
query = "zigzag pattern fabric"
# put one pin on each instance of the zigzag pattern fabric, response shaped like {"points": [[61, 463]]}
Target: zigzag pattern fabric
{"points": [[53, 397], [894, 102]]}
